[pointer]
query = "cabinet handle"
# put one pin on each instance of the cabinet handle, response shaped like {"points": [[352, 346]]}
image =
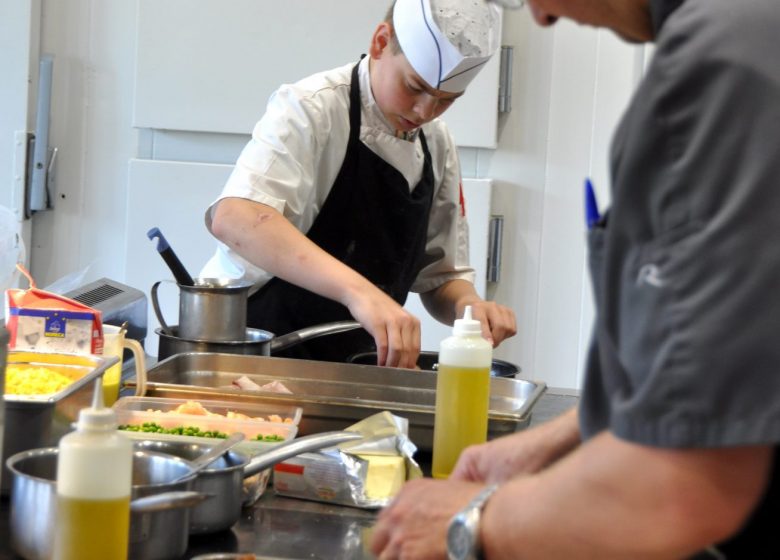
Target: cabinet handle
{"points": [[495, 242]]}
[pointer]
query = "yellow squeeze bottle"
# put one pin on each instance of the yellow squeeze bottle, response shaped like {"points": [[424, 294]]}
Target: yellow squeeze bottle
{"points": [[94, 480], [462, 394]]}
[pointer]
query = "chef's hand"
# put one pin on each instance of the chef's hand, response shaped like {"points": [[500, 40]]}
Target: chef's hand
{"points": [[396, 332], [415, 523], [498, 321], [521, 453], [448, 302]]}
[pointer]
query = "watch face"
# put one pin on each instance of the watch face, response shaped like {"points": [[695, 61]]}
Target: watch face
{"points": [[460, 542]]}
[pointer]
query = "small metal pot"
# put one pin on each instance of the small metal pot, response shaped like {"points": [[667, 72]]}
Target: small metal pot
{"points": [[430, 361], [257, 342], [233, 479], [160, 512], [212, 309]]}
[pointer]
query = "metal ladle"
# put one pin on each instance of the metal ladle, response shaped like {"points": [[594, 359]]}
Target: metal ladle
{"points": [[209, 456]]}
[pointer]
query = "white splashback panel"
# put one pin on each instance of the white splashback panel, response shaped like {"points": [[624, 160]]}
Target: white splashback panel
{"points": [[172, 196], [477, 193]]}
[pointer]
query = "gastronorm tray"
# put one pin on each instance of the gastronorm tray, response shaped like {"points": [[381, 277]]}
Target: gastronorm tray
{"points": [[81, 368], [33, 421], [334, 395]]}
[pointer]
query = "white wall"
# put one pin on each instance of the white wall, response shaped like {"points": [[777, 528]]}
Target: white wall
{"points": [[569, 84]]}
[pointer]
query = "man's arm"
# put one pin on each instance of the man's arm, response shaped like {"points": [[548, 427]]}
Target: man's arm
{"points": [[264, 237], [607, 499], [614, 499], [448, 302]]}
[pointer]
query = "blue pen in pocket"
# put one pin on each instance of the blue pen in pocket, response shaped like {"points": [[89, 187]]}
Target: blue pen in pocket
{"points": [[592, 215]]}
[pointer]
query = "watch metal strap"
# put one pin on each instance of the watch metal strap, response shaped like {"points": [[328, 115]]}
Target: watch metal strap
{"points": [[469, 517]]}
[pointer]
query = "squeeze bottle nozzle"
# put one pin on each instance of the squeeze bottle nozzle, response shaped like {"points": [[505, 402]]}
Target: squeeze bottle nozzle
{"points": [[467, 325], [97, 416]]}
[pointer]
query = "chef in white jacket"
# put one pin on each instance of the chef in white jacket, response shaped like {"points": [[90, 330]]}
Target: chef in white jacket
{"points": [[348, 195]]}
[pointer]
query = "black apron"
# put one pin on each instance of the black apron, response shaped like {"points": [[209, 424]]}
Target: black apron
{"points": [[371, 222]]}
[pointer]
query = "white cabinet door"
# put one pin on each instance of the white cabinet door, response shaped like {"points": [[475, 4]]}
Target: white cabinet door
{"points": [[172, 196], [210, 65]]}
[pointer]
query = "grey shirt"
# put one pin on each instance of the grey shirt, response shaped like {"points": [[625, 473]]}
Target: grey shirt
{"points": [[686, 265]]}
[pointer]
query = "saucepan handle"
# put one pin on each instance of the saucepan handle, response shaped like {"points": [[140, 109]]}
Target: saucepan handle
{"points": [[302, 335], [157, 311], [168, 500], [294, 447], [139, 357]]}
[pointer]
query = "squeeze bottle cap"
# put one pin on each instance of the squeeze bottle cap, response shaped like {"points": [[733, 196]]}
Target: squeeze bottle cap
{"points": [[467, 326], [97, 417]]}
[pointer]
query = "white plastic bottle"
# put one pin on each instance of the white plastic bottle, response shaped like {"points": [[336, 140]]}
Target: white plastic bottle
{"points": [[94, 480], [462, 393]]}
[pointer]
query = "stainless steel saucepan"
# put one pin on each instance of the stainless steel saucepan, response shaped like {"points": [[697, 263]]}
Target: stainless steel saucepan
{"points": [[257, 342], [232, 479], [160, 510]]}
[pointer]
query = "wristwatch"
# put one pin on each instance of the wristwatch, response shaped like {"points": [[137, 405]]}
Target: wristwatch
{"points": [[463, 533]]}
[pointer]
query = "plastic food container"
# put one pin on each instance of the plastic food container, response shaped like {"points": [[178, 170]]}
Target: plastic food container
{"points": [[136, 411]]}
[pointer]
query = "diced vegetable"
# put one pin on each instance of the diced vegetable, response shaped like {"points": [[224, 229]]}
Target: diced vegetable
{"points": [[34, 381]]}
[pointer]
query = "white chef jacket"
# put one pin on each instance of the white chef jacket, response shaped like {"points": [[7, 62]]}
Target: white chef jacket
{"points": [[297, 150]]}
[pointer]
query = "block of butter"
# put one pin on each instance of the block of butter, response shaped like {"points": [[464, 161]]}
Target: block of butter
{"points": [[367, 481], [365, 473], [386, 474]]}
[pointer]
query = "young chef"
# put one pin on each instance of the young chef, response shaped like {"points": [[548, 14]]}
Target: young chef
{"points": [[674, 453], [348, 195]]}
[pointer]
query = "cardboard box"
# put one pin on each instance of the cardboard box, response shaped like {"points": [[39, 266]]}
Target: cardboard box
{"points": [[42, 321]]}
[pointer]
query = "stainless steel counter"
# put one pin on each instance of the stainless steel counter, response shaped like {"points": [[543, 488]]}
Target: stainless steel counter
{"points": [[288, 528], [274, 527], [277, 527]]}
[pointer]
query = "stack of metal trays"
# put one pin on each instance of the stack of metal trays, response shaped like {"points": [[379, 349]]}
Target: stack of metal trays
{"points": [[334, 395], [33, 421]]}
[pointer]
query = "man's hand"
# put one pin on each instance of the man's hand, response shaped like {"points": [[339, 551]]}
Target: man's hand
{"points": [[448, 302], [521, 453], [498, 321], [415, 524]]}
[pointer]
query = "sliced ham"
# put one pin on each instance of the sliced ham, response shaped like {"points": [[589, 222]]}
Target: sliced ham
{"points": [[247, 384]]}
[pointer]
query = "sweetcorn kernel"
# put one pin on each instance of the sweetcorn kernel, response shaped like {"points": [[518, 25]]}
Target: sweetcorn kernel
{"points": [[34, 381]]}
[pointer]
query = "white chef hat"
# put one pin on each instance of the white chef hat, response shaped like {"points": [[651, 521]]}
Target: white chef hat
{"points": [[447, 42]]}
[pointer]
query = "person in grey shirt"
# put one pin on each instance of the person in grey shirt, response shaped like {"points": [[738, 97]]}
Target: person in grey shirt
{"points": [[673, 449]]}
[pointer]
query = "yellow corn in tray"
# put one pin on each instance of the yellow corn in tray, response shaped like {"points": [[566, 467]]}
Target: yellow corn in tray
{"points": [[34, 381]]}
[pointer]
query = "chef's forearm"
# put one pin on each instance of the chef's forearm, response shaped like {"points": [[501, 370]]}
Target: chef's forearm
{"points": [[446, 303], [264, 237], [613, 499]]}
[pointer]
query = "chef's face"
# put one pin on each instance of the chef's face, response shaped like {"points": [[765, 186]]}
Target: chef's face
{"points": [[628, 18], [405, 99]]}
